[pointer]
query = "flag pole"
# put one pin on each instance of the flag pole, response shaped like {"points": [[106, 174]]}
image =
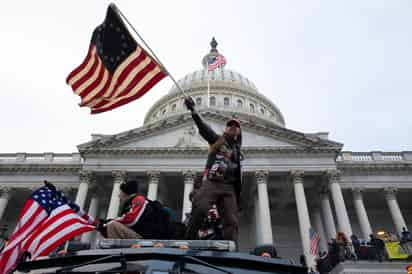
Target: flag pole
{"points": [[208, 88], [151, 51]]}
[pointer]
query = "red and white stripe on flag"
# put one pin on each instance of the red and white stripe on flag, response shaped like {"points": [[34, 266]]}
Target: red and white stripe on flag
{"points": [[314, 241], [102, 90], [217, 62], [40, 234], [62, 225], [30, 218]]}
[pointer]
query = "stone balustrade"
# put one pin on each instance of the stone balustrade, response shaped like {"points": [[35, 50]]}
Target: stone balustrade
{"points": [[374, 156], [40, 158]]}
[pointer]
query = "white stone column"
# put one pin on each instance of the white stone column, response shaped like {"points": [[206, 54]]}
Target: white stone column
{"points": [[363, 219], [85, 178], [399, 221], [303, 215], [264, 228], [154, 177], [4, 200], [94, 205], [337, 196], [189, 179], [318, 225], [328, 216], [258, 234], [118, 178]]}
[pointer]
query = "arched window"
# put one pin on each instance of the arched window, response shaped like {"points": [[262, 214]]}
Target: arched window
{"points": [[252, 108], [174, 107], [198, 101], [239, 103], [226, 101], [212, 101]]}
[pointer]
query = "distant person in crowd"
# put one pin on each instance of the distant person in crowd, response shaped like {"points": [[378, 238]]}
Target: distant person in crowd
{"points": [[405, 235], [302, 260], [405, 238], [323, 264], [356, 245], [378, 248], [344, 251], [333, 251], [392, 237], [221, 182], [140, 217], [268, 251]]}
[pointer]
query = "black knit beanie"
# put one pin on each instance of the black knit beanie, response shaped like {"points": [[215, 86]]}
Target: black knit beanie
{"points": [[129, 187]]}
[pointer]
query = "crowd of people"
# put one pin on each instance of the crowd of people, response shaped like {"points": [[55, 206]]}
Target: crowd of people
{"points": [[341, 249]]}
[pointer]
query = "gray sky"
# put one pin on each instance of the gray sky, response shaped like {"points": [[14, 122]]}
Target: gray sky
{"points": [[337, 66]]}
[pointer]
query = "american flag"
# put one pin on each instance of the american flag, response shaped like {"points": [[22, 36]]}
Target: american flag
{"points": [[314, 241], [47, 220], [216, 62], [116, 69]]}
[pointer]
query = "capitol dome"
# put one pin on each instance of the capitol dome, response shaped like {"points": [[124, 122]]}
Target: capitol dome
{"points": [[229, 93]]}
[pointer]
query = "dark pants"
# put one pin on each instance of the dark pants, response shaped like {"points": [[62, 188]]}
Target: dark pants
{"points": [[223, 195]]}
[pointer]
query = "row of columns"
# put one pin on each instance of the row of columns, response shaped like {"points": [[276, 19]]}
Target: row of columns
{"points": [[262, 210], [341, 212], [264, 233], [119, 177]]}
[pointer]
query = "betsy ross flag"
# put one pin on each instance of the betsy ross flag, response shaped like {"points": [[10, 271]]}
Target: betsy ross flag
{"points": [[47, 220], [216, 62], [116, 69], [314, 241]]}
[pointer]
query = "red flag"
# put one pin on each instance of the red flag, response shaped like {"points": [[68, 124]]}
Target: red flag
{"points": [[116, 69]]}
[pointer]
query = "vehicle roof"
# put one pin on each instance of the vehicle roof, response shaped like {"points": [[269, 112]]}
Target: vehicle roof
{"points": [[219, 257]]}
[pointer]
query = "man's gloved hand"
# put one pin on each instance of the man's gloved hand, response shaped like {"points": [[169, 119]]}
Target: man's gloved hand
{"points": [[50, 185], [189, 103], [104, 221], [101, 227]]}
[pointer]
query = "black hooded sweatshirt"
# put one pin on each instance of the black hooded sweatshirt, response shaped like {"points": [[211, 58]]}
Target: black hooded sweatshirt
{"points": [[224, 162]]}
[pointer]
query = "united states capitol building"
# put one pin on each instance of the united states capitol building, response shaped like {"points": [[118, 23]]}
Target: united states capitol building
{"points": [[292, 180]]}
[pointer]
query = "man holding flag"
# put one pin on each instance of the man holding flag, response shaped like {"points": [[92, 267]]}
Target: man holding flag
{"points": [[47, 220]]}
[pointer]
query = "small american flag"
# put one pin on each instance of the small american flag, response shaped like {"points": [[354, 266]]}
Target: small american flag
{"points": [[216, 62], [116, 69], [314, 241], [47, 220]]}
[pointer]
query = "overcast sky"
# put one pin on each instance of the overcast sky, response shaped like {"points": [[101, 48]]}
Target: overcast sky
{"points": [[337, 66]]}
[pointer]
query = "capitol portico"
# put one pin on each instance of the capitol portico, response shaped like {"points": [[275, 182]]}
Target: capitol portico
{"points": [[292, 180]]}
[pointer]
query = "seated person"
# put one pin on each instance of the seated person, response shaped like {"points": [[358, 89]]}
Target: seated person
{"points": [[140, 218]]}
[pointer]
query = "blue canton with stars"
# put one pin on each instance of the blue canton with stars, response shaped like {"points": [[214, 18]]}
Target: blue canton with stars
{"points": [[49, 199], [113, 41], [211, 60]]}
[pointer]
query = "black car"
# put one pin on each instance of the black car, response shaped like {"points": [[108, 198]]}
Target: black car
{"points": [[141, 256]]}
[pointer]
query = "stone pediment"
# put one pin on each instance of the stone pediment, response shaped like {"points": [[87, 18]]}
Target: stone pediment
{"points": [[181, 132]]}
